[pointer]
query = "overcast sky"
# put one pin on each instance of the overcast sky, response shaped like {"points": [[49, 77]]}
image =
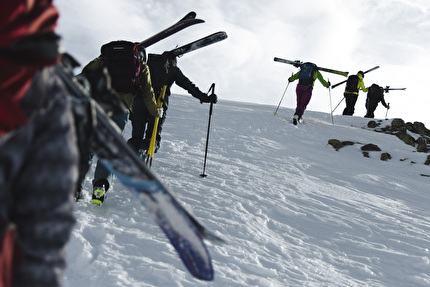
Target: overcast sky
{"points": [[344, 35]]}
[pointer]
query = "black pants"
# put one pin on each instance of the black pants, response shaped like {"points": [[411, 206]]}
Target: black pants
{"points": [[350, 100]]}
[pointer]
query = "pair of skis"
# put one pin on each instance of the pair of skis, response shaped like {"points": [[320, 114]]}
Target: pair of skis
{"points": [[298, 64], [365, 72], [188, 20]]}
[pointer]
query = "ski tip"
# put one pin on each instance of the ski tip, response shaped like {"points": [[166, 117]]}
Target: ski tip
{"points": [[190, 15]]}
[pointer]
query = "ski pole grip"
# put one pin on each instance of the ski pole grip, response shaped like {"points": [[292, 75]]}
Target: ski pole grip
{"points": [[212, 88]]}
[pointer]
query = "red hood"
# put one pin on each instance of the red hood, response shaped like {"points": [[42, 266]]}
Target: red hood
{"points": [[22, 18]]}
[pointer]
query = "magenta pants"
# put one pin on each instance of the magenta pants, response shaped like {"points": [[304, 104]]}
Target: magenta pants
{"points": [[304, 94]]}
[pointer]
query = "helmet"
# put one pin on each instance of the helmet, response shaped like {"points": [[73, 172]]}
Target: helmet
{"points": [[362, 74]]}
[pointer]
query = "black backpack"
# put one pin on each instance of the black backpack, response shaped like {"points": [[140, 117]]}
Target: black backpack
{"points": [[352, 84], [375, 92], [307, 71], [122, 60]]}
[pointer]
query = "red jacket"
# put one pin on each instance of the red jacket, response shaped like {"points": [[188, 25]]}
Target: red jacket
{"points": [[19, 21]]}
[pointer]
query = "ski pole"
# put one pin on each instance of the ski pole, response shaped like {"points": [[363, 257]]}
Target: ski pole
{"points": [[386, 114], [276, 112], [151, 148], [207, 136], [338, 105], [329, 94]]}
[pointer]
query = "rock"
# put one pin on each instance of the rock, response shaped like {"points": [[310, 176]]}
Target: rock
{"points": [[385, 156], [372, 124], [370, 147], [407, 139], [422, 144]]}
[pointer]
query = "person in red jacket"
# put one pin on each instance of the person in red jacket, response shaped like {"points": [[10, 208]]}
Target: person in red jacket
{"points": [[38, 152]]}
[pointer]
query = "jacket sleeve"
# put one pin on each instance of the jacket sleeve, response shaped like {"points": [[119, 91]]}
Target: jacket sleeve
{"points": [[294, 77], [185, 83], [147, 92], [321, 79], [362, 86]]}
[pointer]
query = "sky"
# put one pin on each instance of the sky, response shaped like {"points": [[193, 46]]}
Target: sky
{"points": [[294, 211], [343, 35]]}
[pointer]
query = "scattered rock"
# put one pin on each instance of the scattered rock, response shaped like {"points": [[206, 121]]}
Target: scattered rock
{"points": [[427, 162], [422, 144], [407, 139], [337, 144], [372, 124], [370, 147], [366, 154], [385, 156]]}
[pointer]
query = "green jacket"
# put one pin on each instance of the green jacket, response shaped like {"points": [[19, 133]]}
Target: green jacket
{"points": [[317, 75], [145, 91]]}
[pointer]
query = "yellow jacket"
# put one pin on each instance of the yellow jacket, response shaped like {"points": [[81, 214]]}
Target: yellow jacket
{"points": [[360, 85]]}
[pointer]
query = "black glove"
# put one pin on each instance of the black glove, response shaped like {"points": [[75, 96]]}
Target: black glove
{"points": [[209, 99], [329, 84]]}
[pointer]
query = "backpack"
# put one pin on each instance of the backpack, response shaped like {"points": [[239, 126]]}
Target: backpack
{"points": [[122, 61], [307, 71], [375, 92], [352, 84]]}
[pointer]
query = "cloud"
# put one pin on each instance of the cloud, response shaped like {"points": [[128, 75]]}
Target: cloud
{"points": [[351, 36]]}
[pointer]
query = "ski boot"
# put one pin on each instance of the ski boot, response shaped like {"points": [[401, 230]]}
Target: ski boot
{"points": [[98, 195]]}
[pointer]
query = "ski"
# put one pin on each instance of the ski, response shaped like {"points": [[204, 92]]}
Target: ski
{"points": [[183, 230], [298, 63], [203, 42], [388, 89], [185, 22], [340, 83]]}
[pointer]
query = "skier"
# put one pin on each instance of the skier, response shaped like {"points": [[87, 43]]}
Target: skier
{"points": [[374, 96], [38, 153], [307, 75], [164, 72], [353, 85], [130, 82]]}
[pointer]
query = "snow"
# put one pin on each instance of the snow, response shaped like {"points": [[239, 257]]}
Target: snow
{"points": [[295, 211]]}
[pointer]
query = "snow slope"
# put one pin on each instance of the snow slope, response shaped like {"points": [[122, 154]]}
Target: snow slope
{"points": [[294, 211]]}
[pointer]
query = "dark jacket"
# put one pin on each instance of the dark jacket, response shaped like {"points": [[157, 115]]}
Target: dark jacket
{"points": [[164, 71]]}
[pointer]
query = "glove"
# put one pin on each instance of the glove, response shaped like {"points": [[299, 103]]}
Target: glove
{"points": [[213, 98], [290, 80], [160, 112], [388, 107], [329, 84], [209, 99]]}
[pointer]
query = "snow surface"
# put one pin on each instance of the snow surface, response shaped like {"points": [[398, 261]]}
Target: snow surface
{"points": [[294, 211]]}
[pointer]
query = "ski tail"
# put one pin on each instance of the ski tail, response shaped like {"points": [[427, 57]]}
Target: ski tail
{"points": [[185, 22], [203, 42], [296, 63], [345, 74]]}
